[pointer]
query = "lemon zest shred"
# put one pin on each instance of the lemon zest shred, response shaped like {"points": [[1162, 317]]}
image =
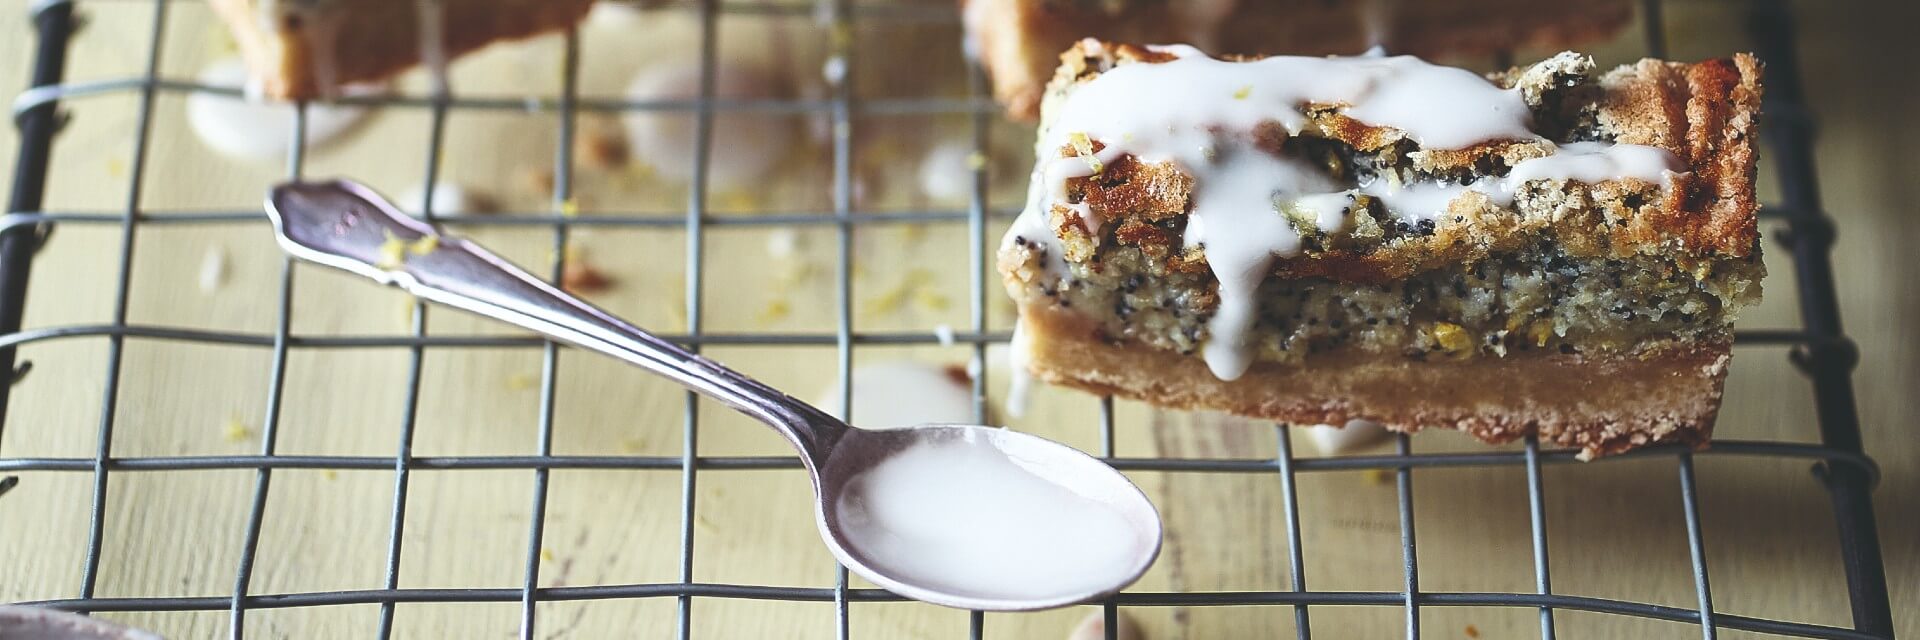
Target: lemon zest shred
{"points": [[776, 310], [1452, 337], [237, 431], [393, 251], [1083, 147], [423, 246]]}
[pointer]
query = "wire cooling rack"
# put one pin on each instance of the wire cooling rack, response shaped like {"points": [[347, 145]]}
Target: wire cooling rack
{"points": [[1819, 349]]}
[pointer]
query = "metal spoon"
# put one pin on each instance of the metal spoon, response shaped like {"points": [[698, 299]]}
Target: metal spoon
{"points": [[344, 224]]}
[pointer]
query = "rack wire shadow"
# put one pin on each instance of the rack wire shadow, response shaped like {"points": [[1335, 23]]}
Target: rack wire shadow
{"points": [[1819, 348]]}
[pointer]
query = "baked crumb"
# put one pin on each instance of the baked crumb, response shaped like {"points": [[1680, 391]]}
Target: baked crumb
{"points": [[600, 147], [775, 310], [579, 277], [538, 180]]}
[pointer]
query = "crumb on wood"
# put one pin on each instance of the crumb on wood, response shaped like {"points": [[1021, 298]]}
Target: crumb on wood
{"points": [[958, 373], [579, 277], [1379, 476], [330, 474], [1473, 631], [775, 310], [913, 233], [522, 382], [600, 147], [539, 180], [546, 555], [736, 200], [930, 300], [915, 287], [788, 274], [633, 446], [237, 431]]}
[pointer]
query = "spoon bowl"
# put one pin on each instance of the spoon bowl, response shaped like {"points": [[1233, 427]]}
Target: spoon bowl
{"points": [[959, 515], [1014, 521]]}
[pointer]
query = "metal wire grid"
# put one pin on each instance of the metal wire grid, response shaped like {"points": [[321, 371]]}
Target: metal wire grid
{"points": [[1820, 349]]}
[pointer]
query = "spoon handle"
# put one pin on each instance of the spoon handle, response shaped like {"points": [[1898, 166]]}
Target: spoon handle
{"points": [[346, 225]]}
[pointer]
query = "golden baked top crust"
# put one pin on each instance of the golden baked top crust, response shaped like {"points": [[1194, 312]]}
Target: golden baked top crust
{"points": [[1703, 113], [292, 46]]}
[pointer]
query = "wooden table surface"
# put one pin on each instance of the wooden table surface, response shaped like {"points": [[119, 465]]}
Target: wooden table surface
{"points": [[1615, 528]]}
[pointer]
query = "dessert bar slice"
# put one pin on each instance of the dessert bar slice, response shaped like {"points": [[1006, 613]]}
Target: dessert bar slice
{"points": [[301, 49], [1019, 41], [1548, 250]]}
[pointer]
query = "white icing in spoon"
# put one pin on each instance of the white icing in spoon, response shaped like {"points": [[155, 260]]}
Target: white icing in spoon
{"points": [[252, 130], [1201, 114], [968, 516]]}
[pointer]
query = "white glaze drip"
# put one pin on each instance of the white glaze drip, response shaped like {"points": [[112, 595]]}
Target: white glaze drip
{"points": [[1019, 378], [257, 130], [903, 393], [1201, 114], [433, 43], [1593, 162], [744, 149], [1225, 216]]}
